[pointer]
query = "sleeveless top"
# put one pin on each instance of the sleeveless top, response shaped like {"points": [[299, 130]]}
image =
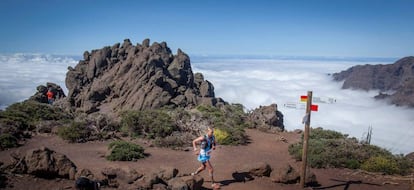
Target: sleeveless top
{"points": [[206, 145]]}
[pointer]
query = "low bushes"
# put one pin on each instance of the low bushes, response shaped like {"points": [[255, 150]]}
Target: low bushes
{"points": [[124, 151], [167, 126], [20, 119], [230, 136], [332, 149], [149, 123], [7, 141], [25, 114], [177, 140], [76, 132], [228, 121], [380, 164], [397, 164], [222, 136], [225, 116]]}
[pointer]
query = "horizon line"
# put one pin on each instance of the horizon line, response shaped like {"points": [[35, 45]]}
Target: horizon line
{"points": [[247, 56]]}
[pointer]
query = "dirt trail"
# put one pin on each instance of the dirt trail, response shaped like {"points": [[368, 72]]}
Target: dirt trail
{"points": [[263, 147]]}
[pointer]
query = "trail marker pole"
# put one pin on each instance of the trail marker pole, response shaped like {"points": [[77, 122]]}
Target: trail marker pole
{"points": [[305, 140]]}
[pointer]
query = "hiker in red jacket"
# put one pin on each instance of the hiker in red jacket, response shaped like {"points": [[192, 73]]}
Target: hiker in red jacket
{"points": [[50, 95]]}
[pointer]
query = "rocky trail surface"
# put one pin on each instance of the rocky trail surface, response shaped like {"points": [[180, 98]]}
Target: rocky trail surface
{"points": [[227, 161]]}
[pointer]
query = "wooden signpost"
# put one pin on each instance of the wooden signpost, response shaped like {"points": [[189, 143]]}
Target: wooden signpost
{"points": [[306, 120]]}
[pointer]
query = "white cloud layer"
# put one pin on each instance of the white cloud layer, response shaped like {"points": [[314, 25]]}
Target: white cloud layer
{"points": [[255, 82], [20, 74], [252, 82]]}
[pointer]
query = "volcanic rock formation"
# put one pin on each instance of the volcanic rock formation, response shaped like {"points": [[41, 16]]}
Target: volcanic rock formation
{"points": [[40, 95], [136, 77], [395, 81], [267, 118]]}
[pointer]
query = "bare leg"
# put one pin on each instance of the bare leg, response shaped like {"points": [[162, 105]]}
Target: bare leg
{"points": [[210, 171], [201, 168]]}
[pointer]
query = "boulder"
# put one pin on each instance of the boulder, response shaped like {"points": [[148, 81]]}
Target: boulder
{"points": [[167, 173], [177, 184], [288, 175], [85, 173], [147, 182], [267, 118], [193, 182], [46, 163], [242, 176], [258, 169], [186, 182], [117, 176]]}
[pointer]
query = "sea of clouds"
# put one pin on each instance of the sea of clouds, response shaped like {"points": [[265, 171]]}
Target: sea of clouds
{"points": [[20, 74], [252, 82], [255, 82]]}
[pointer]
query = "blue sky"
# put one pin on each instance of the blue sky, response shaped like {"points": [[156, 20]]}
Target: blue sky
{"points": [[350, 28]]}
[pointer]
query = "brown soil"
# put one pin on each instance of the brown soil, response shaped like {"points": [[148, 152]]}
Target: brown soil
{"points": [[263, 147]]}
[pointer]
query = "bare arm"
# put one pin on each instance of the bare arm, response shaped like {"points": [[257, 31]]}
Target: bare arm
{"points": [[214, 144], [195, 141]]}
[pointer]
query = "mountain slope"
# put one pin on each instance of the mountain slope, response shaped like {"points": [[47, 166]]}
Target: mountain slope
{"points": [[395, 81]]}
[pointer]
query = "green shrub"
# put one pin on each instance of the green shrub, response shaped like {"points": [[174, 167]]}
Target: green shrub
{"points": [[222, 136], [149, 123], [231, 136], [34, 111], [380, 164], [175, 141], [405, 165], [125, 151], [228, 121], [397, 164], [25, 115], [160, 124], [295, 150], [319, 133], [332, 149], [7, 141], [76, 132], [179, 115]]}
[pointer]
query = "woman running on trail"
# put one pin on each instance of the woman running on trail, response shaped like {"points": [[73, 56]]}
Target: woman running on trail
{"points": [[207, 144]]}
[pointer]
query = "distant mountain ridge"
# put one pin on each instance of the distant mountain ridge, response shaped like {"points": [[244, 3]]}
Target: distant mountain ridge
{"points": [[395, 81]]}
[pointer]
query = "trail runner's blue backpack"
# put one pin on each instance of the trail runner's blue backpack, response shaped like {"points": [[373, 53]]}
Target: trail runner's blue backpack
{"points": [[207, 143]]}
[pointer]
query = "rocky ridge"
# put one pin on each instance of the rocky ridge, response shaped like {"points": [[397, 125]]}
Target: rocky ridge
{"points": [[138, 77], [40, 95], [394, 81], [267, 118]]}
